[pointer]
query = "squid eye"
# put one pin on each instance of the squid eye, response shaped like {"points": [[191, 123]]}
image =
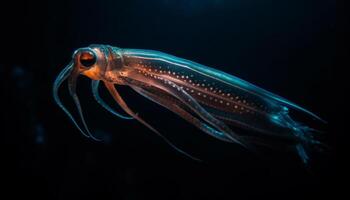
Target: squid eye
{"points": [[87, 58]]}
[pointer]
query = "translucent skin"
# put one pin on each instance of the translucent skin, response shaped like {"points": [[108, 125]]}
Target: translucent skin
{"points": [[208, 98]]}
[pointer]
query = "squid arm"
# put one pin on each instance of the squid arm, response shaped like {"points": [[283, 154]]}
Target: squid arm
{"points": [[115, 94], [177, 109], [177, 92], [64, 74], [72, 84], [94, 88]]}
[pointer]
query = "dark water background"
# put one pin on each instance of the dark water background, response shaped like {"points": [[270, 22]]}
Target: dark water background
{"points": [[287, 47]]}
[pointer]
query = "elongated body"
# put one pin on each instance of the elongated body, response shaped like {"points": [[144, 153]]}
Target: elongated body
{"points": [[208, 98]]}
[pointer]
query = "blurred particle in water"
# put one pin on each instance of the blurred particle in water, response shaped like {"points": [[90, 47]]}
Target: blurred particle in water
{"points": [[17, 71], [39, 134], [23, 78]]}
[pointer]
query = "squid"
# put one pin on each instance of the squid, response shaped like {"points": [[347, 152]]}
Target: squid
{"points": [[215, 102]]}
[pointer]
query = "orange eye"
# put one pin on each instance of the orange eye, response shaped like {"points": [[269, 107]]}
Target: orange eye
{"points": [[87, 58]]}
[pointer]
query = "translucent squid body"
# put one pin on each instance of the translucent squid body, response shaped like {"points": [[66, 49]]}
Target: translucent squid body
{"points": [[208, 98]]}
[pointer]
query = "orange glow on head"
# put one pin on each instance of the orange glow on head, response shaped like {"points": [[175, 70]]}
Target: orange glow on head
{"points": [[93, 73], [88, 63]]}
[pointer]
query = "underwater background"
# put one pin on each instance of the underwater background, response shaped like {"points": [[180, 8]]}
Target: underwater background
{"points": [[286, 47]]}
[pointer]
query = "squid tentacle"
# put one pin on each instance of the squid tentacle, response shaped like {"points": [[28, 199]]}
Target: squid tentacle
{"points": [[72, 91], [182, 113], [122, 103], [64, 74], [189, 101], [94, 88]]}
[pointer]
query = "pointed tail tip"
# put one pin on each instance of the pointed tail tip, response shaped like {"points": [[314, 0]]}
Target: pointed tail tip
{"points": [[316, 117], [323, 121], [288, 104]]}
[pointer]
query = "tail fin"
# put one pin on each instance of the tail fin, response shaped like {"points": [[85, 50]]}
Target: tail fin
{"points": [[306, 141], [301, 139]]}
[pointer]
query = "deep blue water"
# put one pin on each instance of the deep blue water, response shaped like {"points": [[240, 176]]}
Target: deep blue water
{"points": [[287, 47]]}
